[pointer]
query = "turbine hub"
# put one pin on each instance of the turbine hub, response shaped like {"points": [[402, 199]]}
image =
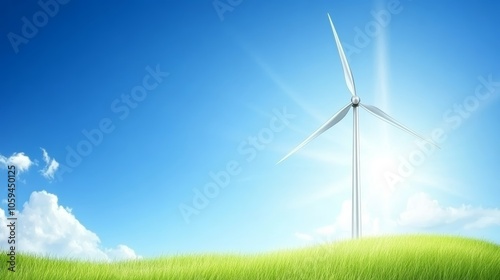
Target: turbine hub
{"points": [[355, 101]]}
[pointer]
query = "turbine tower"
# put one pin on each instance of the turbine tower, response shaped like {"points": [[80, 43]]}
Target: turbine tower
{"points": [[355, 104]]}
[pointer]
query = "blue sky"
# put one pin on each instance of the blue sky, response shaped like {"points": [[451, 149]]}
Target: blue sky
{"points": [[189, 107]]}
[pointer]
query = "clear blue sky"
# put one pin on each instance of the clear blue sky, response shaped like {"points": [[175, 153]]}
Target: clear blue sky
{"points": [[233, 74]]}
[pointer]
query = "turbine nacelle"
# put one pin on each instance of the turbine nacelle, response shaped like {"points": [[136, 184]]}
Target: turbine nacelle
{"points": [[355, 101]]}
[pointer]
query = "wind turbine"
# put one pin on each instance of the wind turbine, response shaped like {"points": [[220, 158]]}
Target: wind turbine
{"points": [[355, 104]]}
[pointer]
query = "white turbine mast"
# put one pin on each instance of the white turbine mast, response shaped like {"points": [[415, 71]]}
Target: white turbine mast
{"points": [[355, 104]]}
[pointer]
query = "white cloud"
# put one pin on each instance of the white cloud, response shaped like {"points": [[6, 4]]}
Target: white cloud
{"points": [[424, 212], [343, 223], [45, 227], [343, 226], [4, 231], [51, 166], [20, 160], [492, 218], [121, 252], [303, 236], [326, 230]]}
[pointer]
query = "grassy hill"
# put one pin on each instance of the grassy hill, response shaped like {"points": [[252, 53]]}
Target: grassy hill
{"points": [[394, 257]]}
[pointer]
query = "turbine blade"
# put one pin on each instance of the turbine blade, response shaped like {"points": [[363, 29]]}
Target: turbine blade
{"points": [[345, 65], [331, 122], [383, 116]]}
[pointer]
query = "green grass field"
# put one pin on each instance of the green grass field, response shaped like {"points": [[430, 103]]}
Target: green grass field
{"points": [[394, 257]]}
